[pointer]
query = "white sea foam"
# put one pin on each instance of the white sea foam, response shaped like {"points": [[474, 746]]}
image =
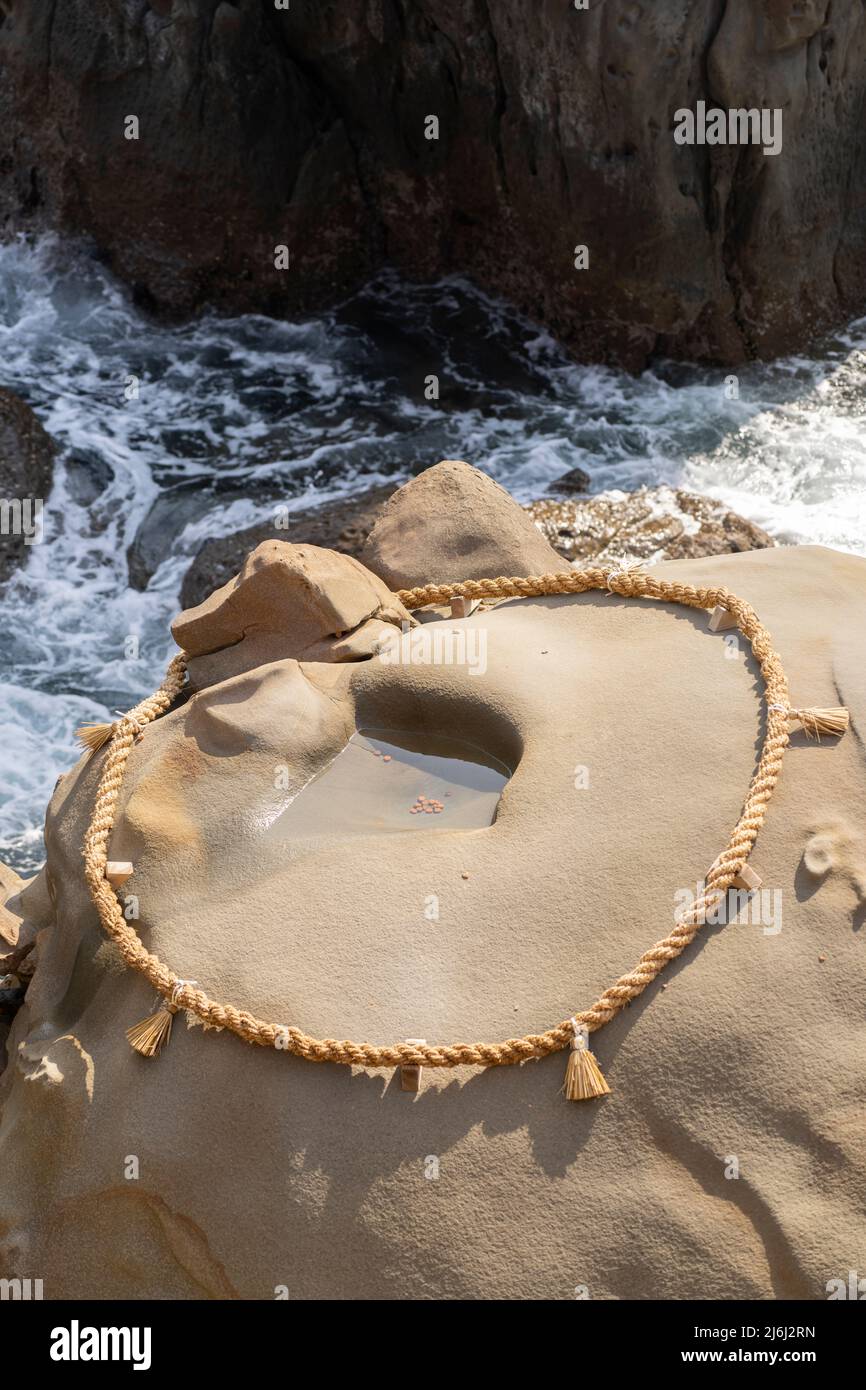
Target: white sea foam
{"points": [[237, 415]]}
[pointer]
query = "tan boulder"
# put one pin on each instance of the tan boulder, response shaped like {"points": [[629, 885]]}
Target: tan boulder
{"points": [[342, 524], [25, 907], [10, 924], [18, 933], [631, 731], [453, 522], [288, 601]]}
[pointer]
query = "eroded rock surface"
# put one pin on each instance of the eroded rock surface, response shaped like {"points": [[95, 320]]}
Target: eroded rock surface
{"points": [[631, 732], [471, 525], [465, 520], [652, 524], [17, 939], [288, 601], [343, 525], [10, 883]]}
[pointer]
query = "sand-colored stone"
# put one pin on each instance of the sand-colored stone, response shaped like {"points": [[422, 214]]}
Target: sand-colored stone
{"points": [[10, 926], [285, 600], [659, 523], [461, 520], [16, 946], [342, 524], [257, 1169], [25, 905]]}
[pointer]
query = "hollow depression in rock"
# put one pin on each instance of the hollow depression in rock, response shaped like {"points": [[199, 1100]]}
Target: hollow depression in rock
{"points": [[387, 780]]}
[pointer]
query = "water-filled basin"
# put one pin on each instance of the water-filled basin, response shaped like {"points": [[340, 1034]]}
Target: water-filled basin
{"points": [[386, 780]]}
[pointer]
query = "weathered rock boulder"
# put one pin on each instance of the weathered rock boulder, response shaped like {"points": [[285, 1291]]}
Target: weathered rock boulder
{"points": [[290, 601], [27, 454], [343, 525], [256, 1169], [465, 520], [17, 940], [487, 139], [652, 524], [10, 885]]}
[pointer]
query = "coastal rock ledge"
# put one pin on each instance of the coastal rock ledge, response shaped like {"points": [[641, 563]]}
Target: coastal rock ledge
{"points": [[555, 128]]}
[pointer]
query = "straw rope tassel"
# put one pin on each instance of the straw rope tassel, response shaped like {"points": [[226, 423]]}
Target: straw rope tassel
{"points": [[583, 1076], [153, 1032], [822, 721], [817, 721], [94, 736]]}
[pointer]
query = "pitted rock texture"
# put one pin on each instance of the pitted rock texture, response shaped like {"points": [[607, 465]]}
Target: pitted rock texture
{"points": [[651, 524], [469, 523], [306, 128]]}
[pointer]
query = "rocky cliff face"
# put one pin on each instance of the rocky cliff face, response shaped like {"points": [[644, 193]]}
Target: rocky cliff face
{"points": [[259, 127]]}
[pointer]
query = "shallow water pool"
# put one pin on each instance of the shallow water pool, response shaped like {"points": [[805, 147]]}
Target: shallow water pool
{"points": [[385, 781]]}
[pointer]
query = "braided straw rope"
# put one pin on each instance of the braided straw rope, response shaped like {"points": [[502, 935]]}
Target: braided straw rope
{"points": [[628, 583]]}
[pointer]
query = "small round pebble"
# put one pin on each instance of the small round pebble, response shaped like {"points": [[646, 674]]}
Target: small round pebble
{"points": [[464, 875]]}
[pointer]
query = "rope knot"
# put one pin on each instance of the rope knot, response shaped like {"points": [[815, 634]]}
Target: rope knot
{"points": [[816, 722], [623, 572], [177, 990], [583, 1078]]}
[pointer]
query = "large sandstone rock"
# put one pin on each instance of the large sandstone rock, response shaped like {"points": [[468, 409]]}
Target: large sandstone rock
{"points": [[16, 961], [26, 469], [10, 927], [24, 903], [461, 521], [555, 130], [257, 1169]]}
